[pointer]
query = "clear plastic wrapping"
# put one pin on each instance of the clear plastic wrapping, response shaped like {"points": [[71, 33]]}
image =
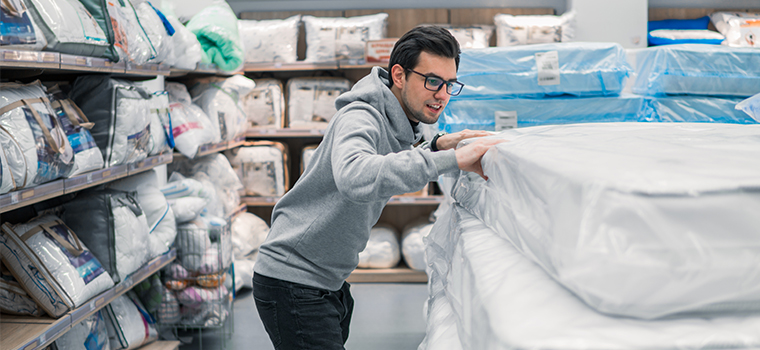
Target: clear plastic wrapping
{"points": [[191, 127], [696, 109], [273, 40], [161, 138], [129, 325], [535, 71], [216, 170], [154, 28], [261, 167], [130, 40], [339, 38], [221, 101], [751, 107], [14, 300], [265, 104], [204, 245], [186, 48], [311, 101], [90, 334], [19, 28], [87, 155], [69, 27], [484, 113], [471, 37], [382, 250], [216, 27], [520, 30], [697, 70], [637, 219], [248, 233], [740, 28], [412, 246]]}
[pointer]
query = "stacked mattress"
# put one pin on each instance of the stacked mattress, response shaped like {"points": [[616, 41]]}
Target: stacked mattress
{"points": [[618, 235]]}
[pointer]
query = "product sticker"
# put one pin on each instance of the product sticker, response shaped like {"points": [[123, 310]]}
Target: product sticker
{"points": [[547, 65], [505, 120]]}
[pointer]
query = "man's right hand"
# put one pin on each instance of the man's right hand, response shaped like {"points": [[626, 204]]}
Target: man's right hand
{"points": [[468, 157]]}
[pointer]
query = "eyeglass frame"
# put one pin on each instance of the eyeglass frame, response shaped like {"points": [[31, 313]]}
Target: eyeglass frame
{"points": [[449, 84]]}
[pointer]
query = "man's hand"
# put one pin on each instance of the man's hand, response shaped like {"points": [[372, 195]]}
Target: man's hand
{"points": [[450, 141], [468, 157]]}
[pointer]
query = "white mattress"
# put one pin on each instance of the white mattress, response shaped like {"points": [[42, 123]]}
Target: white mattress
{"points": [[642, 220], [502, 300]]}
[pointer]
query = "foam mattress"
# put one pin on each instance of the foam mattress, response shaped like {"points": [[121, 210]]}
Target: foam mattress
{"points": [[637, 219]]}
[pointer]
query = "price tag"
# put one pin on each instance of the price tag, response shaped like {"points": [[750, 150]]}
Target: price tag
{"points": [[89, 178], [9, 56], [14, 197], [505, 120], [43, 337], [92, 306], [547, 66], [106, 173]]}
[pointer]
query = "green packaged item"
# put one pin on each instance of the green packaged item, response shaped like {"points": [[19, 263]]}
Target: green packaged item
{"points": [[216, 27]]}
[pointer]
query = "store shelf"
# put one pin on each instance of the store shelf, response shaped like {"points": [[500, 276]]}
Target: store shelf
{"points": [[24, 197], [289, 67], [23, 332], [54, 62], [284, 133], [396, 200], [394, 275], [212, 148], [260, 201], [162, 345], [29, 59], [91, 64]]}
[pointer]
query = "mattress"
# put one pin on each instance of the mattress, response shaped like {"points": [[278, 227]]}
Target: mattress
{"points": [[52, 264], [90, 334], [502, 300], [311, 101], [693, 69], [637, 219], [695, 109], [535, 71], [261, 168], [496, 114], [265, 105]]}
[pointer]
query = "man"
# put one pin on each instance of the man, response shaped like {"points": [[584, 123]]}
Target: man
{"points": [[366, 156]]}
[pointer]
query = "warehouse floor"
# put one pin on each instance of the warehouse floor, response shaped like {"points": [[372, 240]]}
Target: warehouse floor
{"points": [[386, 316]]}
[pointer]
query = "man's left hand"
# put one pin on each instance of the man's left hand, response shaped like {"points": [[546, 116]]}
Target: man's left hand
{"points": [[450, 141]]}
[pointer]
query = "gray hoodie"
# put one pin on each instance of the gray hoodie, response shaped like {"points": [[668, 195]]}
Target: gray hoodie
{"points": [[366, 156]]}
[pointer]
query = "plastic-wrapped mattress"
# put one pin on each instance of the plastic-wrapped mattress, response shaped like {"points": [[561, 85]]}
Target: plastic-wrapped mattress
{"points": [[311, 101], [637, 219], [265, 105], [57, 269], [693, 69], [503, 300], [534, 71], [697, 109], [261, 167], [493, 114]]}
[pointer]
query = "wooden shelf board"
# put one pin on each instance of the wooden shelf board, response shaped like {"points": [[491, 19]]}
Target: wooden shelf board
{"points": [[393, 275], [162, 345]]}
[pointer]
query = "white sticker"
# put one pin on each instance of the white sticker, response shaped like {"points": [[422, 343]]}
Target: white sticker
{"points": [[547, 65], [92, 306], [89, 178], [505, 120], [42, 339], [14, 197]]}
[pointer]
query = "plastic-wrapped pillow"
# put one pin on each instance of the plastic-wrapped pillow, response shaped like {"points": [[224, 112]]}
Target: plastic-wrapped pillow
{"points": [[520, 30], [382, 250], [216, 168], [740, 28], [216, 28], [187, 50], [248, 233], [184, 187], [192, 242], [261, 167], [20, 29], [537, 71], [69, 27], [412, 247], [684, 36], [114, 225], [154, 29], [126, 36], [121, 113], [187, 208], [191, 127], [14, 300], [273, 40], [87, 155], [56, 268], [196, 296], [220, 100], [692, 69], [129, 325], [472, 37], [265, 104], [339, 38], [311, 101], [90, 334], [161, 138]]}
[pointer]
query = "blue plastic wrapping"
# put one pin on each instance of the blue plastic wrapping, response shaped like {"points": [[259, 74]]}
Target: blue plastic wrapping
{"points": [[579, 69], [751, 107], [481, 114], [693, 69], [695, 109]]}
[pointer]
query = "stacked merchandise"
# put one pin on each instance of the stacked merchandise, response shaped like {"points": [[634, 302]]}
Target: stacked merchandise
{"points": [[384, 251], [341, 38], [521, 30], [507, 87], [696, 83], [602, 236]]}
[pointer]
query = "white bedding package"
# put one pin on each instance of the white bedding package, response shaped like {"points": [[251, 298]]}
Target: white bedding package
{"points": [[21, 32], [248, 233], [187, 52], [14, 300], [90, 334], [129, 325], [740, 28], [382, 250], [48, 259], [216, 169], [155, 30], [471, 37], [412, 246], [311, 101], [637, 219], [503, 300], [538, 29], [68, 27], [695, 109], [87, 155], [220, 100], [341, 38], [271, 41], [161, 138], [261, 167], [265, 104], [204, 245], [191, 127]]}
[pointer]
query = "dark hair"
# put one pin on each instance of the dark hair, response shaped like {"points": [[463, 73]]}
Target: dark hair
{"points": [[432, 39]]}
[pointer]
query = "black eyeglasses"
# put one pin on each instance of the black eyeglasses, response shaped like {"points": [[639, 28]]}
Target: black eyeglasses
{"points": [[434, 83]]}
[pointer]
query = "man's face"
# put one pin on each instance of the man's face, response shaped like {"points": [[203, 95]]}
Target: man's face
{"points": [[419, 103]]}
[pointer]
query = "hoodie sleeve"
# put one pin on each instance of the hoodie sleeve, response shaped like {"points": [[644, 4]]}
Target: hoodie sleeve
{"points": [[363, 175]]}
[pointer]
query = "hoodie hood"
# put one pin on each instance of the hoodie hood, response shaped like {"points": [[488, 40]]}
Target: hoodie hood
{"points": [[373, 90]]}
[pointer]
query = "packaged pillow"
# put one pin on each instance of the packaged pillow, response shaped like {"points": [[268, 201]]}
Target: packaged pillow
{"points": [[126, 36], [69, 27], [265, 104], [339, 38], [161, 138], [412, 246], [471, 37], [248, 233], [57, 269], [187, 50], [273, 40], [740, 28], [520, 30], [90, 334], [684, 36], [216, 28], [195, 296], [14, 300], [311, 101], [154, 28], [382, 250], [751, 107], [87, 155], [220, 100], [20, 29], [168, 311], [261, 166], [191, 127], [129, 325]]}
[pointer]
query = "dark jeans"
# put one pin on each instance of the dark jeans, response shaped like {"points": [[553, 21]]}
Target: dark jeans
{"points": [[301, 317]]}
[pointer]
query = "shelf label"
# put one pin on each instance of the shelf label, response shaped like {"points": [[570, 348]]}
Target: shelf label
{"points": [[14, 197], [48, 57], [89, 178], [27, 194], [315, 132], [106, 173], [92, 306], [406, 199], [34, 345], [42, 338]]}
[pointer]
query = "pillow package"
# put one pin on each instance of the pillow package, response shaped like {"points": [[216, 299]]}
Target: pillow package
{"points": [[14, 300], [90, 334], [220, 99], [261, 167], [265, 104], [273, 40], [311, 101], [338, 38], [187, 52], [740, 28], [87, 155], [19, 28], [520, 30], [191, 127], [69, 27], [126, 36], [129, 325], [682, 31], [382, 250], [216, 28]]}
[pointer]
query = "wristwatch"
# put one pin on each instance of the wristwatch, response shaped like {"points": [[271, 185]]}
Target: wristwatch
{"points": [[433, 146]]}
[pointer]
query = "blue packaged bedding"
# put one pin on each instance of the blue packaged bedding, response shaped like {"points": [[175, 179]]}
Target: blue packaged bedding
{"points": [[536, 71], [694, 109], [482, 114], [693, 69]]}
